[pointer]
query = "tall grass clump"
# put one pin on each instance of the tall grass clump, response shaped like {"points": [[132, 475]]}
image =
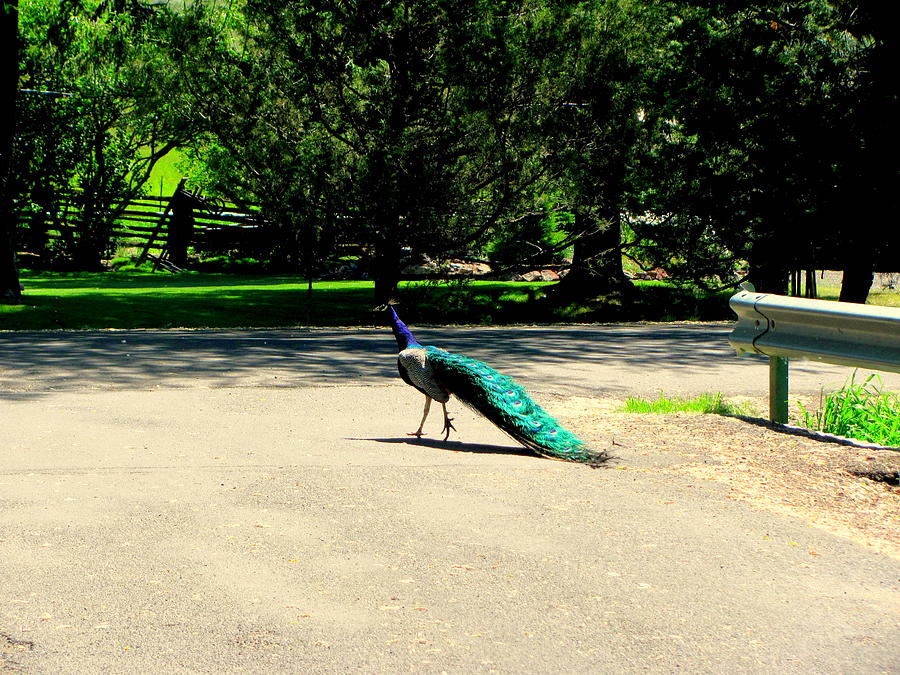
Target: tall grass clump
{"points": [[704, 403], [858, 410]]}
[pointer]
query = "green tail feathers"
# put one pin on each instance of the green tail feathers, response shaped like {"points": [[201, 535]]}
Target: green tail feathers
{"points": [[507, 405]]}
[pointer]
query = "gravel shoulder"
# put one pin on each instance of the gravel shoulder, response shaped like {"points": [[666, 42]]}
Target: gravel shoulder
{"points": [[834, 485]]}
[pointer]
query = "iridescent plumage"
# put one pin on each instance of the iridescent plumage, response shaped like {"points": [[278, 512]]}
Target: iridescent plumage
{"points": [[438, 373]]}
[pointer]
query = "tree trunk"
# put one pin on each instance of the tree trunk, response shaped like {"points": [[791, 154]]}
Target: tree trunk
{"points": [[90, 244], [596, 263], [769, 271], [385, 289], [181, 228], [385, 271], [10, 290], [857, 280], [769, 278]]}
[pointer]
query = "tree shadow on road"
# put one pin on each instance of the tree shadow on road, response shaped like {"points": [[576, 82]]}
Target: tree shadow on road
{"points": [[546, 358]]}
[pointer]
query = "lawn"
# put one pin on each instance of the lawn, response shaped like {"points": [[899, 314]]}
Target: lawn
{"points": [[885, 290], [166, 174], [877, 296], [144, 300], [202, 300]]}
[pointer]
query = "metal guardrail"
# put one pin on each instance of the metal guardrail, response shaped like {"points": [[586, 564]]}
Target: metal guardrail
{"points": [[784, 328]]}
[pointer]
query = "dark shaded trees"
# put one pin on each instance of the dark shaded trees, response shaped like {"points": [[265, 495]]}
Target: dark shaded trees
{"points": [[723, 132], [427, 127], [595, 58], [398, 126], [865, 204], [762, 143], [99, 114]]}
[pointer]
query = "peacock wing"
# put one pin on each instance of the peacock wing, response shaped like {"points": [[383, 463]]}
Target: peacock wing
{"points": [[416, 371], [506, 403]]}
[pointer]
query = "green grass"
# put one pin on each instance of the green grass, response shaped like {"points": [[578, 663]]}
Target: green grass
{"points": [[145, 300], [881, 298], [133, 298], [858, 410], [166, 174], [703, 404]]}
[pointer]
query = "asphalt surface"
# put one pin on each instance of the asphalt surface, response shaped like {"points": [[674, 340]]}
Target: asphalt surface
{"points": [[248, 501]]}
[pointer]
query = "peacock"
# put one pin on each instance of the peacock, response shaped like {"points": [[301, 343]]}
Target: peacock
{"points": [[438, 374]]}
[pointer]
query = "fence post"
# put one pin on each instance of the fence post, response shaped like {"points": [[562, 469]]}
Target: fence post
{"points": [[778, 389], [165, 216]]}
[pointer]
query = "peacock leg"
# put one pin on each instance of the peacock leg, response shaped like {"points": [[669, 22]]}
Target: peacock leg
{"points": [[418, 432], [448, 423]]}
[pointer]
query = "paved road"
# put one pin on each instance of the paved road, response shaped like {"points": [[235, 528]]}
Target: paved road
{"points": [[247, 502]]}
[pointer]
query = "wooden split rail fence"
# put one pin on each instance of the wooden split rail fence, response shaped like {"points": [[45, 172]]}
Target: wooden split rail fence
{"points": [[147, 217], [146, 223]]}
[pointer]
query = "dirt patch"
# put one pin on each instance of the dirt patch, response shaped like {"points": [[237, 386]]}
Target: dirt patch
{"points": [[9, 647], [848, 490]]}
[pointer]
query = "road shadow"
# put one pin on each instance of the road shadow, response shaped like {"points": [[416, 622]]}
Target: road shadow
{"points": [[602, 459], [814, 435], [35, 363], [544, 358], [456, 446]]}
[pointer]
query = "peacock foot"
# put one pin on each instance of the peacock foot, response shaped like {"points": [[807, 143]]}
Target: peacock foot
{"points": [[448, 425]]}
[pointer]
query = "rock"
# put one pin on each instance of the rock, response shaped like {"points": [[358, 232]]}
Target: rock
{"points": [[656, 274], [420, 270], [538, 275], [467, 269], [452, 268]]}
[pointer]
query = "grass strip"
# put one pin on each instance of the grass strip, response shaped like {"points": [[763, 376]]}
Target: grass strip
{"points": [[139, 299], [708, 403], [204, 300]]}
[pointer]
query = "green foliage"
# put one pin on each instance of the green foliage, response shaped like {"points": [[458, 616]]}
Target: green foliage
{"points": [[858, 410], [389, 127], [590, 137], [101, 108], [230, 265], [707, 134], [168, 172], [704, 403], [762, 141], [534, 239]]}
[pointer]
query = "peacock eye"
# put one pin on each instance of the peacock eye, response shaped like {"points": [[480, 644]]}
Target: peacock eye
{"points": [[552, 432]]}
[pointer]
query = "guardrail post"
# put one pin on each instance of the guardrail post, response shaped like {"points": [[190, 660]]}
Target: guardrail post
{"points": [[778, 389]]}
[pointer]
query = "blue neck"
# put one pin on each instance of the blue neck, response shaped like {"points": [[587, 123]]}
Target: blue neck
{"points": [[405, 339]]}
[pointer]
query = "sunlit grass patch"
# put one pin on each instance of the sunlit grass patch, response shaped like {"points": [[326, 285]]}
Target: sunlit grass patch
{"points": [[710, 403], [858, 410]]}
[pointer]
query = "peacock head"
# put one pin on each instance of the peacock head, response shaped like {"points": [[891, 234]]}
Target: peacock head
{"points": [[405, 339]]}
